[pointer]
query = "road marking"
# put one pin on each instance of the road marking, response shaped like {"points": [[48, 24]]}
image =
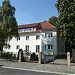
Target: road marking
{"points": [[37, 70]]}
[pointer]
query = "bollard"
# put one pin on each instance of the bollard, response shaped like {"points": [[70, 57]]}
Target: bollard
{"points": [[0, 54], [68, 58], [39, 60], [20, 56], [53, 58]]}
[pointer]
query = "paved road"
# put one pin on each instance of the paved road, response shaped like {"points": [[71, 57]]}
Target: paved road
{"points": [[6, 71]]}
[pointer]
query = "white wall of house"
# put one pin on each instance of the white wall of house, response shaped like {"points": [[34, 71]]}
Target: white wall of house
{"points": [[32, 42], [13, 44]]}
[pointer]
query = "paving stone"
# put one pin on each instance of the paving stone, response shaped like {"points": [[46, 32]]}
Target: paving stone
{"points": [[59, 66]]}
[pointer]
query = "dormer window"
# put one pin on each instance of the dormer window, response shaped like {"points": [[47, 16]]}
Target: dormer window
{"points": [[26, 30], [34, 29]]}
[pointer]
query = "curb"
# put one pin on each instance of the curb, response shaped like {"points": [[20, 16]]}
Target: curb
{"points": [[38, 70]]}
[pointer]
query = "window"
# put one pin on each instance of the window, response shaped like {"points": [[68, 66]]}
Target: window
{"points": [[21, 30], [27, 47], [27, 37], [47, 35], [18, 47], [51, 46], [51, 35], [37, 37], [48, 47], [34, 29], [18, 38], [37, 48]]}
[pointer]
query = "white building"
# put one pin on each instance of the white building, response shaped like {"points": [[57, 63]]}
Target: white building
{"points": [[37, 37]]}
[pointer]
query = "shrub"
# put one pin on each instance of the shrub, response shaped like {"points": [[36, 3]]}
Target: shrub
{"points": [[34, 57], [7, 55], [22, 57]]}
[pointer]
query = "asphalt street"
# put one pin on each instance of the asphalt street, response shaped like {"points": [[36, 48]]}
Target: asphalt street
{"points": [[6, 71]]}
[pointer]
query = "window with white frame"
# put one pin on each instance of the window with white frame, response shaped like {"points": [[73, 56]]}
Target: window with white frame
{"points": [[51, 34], [27, 37], [37, 48], [18, 38], [51, 46], [37, 37], [34, 29], [18, 47], [27, 47], [47, 35], [48, 47]]}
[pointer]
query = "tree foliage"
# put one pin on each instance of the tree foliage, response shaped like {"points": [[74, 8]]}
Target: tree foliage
{"points": [[66, 19], [53, 20], [8, 23]]}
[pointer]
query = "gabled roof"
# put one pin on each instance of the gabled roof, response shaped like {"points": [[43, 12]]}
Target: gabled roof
{"points": [[41, 25], [47, 25]]}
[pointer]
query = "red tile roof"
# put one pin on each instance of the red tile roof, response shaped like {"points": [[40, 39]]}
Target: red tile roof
{"points": [[42, 25], [27, 25], [47, 25]]}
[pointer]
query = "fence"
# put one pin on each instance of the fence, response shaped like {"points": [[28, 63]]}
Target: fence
{"points": [[61, 56]]}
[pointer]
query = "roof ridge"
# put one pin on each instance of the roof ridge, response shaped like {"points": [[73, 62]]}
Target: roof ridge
{"points": [[28, 24]]}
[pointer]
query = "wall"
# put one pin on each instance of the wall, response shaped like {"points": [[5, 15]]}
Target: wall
{"points": [[51, 40], [32, 42]]}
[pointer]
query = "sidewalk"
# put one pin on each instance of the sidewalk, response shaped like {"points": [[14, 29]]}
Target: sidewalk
{"points": [[49, 67]]}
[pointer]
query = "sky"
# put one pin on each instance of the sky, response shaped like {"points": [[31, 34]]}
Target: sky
{"points": [[33, 11]]}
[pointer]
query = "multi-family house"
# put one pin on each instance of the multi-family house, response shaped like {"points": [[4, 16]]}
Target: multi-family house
{"points": [[36, 37]]}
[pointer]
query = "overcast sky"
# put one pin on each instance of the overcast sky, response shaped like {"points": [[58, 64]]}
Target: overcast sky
{"points": [[32, 11]]}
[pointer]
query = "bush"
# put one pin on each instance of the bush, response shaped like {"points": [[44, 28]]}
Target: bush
{"points": [[34, 57], [22, 57], [9, 55], [14, 56]]}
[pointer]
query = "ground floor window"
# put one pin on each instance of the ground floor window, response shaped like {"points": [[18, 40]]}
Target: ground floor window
{"points": [[27, 47], [48, 47], [37, 48]]}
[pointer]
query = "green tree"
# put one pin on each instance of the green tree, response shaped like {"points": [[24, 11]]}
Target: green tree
{"points": [[53, 20], [66, 21], [8, 23]]}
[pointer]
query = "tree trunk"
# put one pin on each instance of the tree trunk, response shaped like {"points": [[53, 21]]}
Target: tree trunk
{"points": [[1, 49]]}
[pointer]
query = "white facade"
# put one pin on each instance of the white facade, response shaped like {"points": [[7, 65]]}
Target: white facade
{"points": [[45, 42]]}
